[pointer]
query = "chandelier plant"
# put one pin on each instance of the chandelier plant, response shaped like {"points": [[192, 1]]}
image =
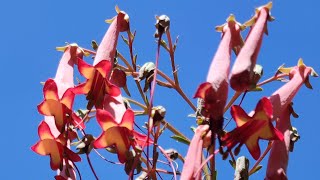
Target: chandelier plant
{"points": [[64, 138]]}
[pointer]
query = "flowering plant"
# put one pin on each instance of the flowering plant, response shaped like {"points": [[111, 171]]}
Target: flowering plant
{"points": [[136, 144]]}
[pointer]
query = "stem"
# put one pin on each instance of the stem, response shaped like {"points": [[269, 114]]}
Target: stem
{"points": [[92, 169], [131, 51], [136, 81], [173, 129], [233, 99], [175, 72], [261, 157], [75, 166], [273, 78]]}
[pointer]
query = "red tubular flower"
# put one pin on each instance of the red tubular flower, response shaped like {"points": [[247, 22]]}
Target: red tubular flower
{"points": [[242, 71], [194, 156], [120, 135], [107, 48], [252, 128], [97, 84], [61, 109], [215, 90], [54, 147]]}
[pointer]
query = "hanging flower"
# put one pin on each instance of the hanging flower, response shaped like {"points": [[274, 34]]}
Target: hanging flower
{"points": [[242, 72], [54, 147], [121, 135], [61, 109], [194, 156], [215, 90], [107, 47]]}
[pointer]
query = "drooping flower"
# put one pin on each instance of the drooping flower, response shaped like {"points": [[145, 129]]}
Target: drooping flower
{"points": [[215, 90], [281, 101], [121, 135], [97, 83], [251, 128], [61, 109], [242, 72], [279, 154], [54, 147], [107, 47], [298, 76], [194, 156]]}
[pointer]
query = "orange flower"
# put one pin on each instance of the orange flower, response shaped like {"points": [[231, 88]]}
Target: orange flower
{"points": [[54, 147]]}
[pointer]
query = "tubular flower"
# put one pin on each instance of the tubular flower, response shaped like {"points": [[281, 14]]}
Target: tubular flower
{"points": [[118, 135], [194, 156], [215, 90], [107, 48], [242, 72], [54, 147], [281, 100], [252, 128], [279, 154], [61, 109], [298, 76], [97, 84]]}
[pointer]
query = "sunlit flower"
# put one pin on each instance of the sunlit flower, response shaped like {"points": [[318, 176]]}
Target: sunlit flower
{"points": [[194, 156], [54, 147], [281, 101], [215, 90], [242, 72], [97, 84], [61, 109], [121, 135], [251, 128]]}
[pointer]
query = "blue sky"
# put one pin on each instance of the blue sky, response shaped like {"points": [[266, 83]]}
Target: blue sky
{"points": [[32, 29]]}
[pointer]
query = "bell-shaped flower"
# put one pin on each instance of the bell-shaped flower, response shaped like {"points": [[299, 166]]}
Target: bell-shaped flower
{"points": [[194, 156], [242, 72], [251, 128], [54, 147], [120, 135], [215, 90], [97, 83], [61, 109]]}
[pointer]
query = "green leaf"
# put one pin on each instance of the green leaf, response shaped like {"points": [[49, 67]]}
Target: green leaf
{"points": [[193, 129], [180, 139], [232, 164]]}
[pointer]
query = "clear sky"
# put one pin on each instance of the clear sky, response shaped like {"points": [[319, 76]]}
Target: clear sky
{"points": [[32, 29]]}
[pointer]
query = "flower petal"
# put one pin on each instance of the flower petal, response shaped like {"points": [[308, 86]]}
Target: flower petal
{"points": [[112, 89], [52, 148], [105, 119], [44, 131], [201, 91], [85, 69], [50, 90], [239, 115], [104, 68], [68, 98], [128, 119]]}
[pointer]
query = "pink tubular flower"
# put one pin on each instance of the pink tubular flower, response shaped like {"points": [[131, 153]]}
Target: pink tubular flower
{"points": [[107, 48], [279, 154], [194, 156], [63, 81], [215, 90], [242, 71], [298, 75], [281, 99]]}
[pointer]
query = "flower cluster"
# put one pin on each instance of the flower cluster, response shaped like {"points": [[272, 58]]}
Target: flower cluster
{"points": [[61, 124]]}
